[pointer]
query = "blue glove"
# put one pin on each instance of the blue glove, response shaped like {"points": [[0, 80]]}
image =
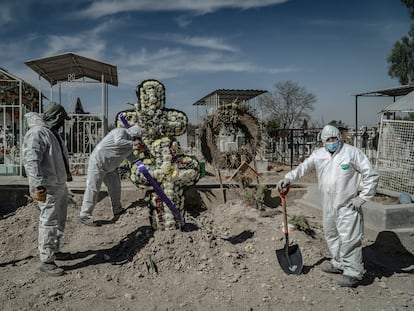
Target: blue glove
{"points": [[356, 204]]}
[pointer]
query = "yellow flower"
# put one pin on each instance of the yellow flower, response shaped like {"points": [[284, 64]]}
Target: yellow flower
{"points": [[175, 174], [171, 171]]}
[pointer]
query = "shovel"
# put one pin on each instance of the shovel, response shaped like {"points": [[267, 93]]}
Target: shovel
{"points": [[289, 257]]}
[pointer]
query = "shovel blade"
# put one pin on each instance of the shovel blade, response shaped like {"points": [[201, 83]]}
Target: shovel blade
{"points": [[290, 259]]}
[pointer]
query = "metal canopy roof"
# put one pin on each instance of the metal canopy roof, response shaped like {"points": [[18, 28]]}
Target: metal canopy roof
{"points": [[394, 91], [228, 96], [404, 104], [57, 68]]}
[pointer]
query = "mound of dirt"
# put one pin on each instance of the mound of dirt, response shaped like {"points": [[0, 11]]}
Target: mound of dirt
{"points": [[224, 261]]}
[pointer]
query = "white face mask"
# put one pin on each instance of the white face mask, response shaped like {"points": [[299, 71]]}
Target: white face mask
{"points": [[332, 146]]}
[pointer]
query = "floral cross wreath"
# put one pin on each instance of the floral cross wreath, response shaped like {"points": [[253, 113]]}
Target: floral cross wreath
{"points": [[165, 160]]}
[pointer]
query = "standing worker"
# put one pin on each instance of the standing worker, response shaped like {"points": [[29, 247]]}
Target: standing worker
{"points": [[104, 160], [47, 167], [341, 169]]}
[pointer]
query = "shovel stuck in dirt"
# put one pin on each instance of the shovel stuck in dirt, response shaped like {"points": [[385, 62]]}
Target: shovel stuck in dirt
{"points": [[289, 257]]}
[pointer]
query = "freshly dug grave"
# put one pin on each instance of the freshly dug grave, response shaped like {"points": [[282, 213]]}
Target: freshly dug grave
{"points": [[225, 261]]}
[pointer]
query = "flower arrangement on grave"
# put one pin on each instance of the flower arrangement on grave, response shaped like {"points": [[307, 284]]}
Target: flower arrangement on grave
{"points": [[254, 197], [161, 153]]}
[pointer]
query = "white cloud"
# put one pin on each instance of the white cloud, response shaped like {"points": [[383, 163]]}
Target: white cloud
{"points": [[62, 44], [195, 41], [183, 21], [89, 43], [108, 7], [5, 14], [171, 63]]}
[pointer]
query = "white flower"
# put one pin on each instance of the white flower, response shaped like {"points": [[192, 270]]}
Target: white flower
{"points": [[165, 151], [158, 175], [133, 178], [169, 217], [169, 186], [169, 193], [165, 167]]}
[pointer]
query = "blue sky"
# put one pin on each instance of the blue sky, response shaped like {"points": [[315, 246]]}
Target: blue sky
{"points": [[334, 49]]}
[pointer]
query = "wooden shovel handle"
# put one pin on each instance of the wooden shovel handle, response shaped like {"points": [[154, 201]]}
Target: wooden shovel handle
{"points": [[282, 195]]}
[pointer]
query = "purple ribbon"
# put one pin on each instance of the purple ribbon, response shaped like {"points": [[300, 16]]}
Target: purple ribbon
{"points": [[124, 121], [160, 192]]}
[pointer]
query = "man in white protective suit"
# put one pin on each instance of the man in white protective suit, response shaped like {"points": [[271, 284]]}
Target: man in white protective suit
{"points": [[104, 160], [346, 181], [45, 159]]}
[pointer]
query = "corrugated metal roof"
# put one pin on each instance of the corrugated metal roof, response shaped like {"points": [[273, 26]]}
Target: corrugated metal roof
{"points": [[6, 76], [394, 91], [404, 104], [227, 96], [57, 68], [10, 91]]}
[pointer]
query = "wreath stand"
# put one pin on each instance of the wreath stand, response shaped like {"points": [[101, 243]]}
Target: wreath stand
{"points": [[243, 172], [223, 191]]}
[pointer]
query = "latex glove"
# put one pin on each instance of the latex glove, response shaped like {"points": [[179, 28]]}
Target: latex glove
{"points": [[283, 184], [356, 204], [28, 198], [40, 194]]}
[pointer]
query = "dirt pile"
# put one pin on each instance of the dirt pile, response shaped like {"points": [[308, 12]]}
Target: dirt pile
{"points": [[225, 261]]}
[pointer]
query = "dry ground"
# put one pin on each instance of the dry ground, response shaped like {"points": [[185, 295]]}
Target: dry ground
{"points": [[226, 261]]}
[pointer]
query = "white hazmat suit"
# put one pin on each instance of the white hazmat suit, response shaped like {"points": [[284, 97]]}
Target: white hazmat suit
{"points": [[44, 156], [115, 147], [340, 175]]}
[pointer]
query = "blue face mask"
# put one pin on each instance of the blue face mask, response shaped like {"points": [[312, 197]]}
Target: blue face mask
{"points": [[332, 147]]}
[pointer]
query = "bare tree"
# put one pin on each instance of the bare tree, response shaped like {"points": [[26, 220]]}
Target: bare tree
{"points": [[339, 124], [289, 103]]}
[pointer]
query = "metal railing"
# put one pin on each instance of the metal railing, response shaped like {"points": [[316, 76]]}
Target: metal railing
{"points": [[82, 133], [291, 146]]}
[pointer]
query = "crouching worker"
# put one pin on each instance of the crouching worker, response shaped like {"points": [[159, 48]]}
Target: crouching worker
{"points": [[104, 160], [340, 169], [47, 167]]}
